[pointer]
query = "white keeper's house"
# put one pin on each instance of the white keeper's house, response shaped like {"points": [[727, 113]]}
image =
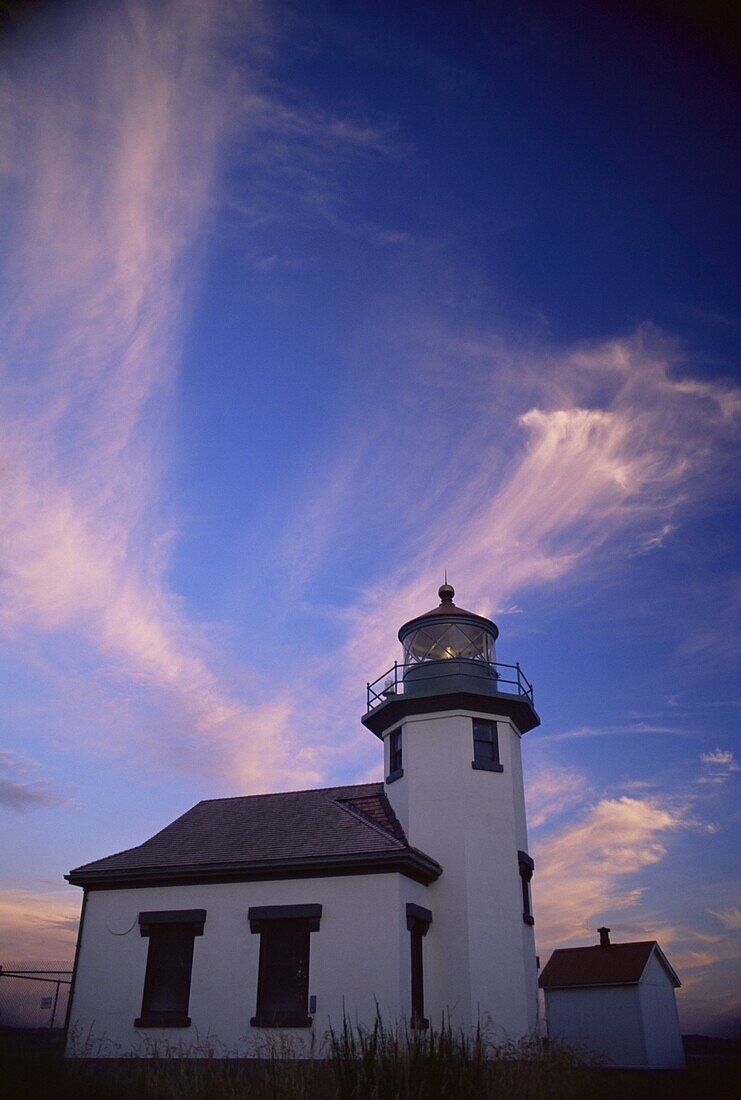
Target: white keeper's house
{"points": [[272, 915]]}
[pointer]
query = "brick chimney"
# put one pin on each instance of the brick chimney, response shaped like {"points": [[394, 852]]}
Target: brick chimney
{"points": [[604, 937]]}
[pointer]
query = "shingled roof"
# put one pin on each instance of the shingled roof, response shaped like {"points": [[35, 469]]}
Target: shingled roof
{"points": [[614, 964], [336, 830]]}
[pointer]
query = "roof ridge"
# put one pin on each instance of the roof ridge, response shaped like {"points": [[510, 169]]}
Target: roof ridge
{"points": [[355, 811], [275, 794], [609, 947], [419, 852]]}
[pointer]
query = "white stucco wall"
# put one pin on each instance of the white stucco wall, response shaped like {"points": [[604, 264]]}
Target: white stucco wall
{"points": [[359, 957], [479, 954], [480, 965], [605, 1021], [663, 1035]]}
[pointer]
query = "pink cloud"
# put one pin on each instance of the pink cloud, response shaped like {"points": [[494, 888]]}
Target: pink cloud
{"points": [[617, 443], [117, 179], [21, 788], [551, 790], [586, 871], [115, 138], [39, 926], [730, 917], [718, 766]]}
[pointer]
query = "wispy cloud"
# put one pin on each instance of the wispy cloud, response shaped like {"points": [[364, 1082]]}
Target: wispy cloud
{"points": [[112, 142], [276, 120], [296, 162], [620, 440], [720, 758], [640, 728], [654, 540], [39, 926], [718, 766], [113, 145], [730, 918], [21, 788], [586, 871], [677, 704], [553, 790], [24, 796]]}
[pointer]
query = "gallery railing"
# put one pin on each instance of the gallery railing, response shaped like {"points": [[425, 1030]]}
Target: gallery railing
{"points": [[511, 680]]}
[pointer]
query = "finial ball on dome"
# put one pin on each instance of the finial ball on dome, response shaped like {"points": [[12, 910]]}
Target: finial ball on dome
{"points": [[446, 592]]}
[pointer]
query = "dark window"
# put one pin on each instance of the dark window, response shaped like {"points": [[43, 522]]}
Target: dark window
{"points": [[283, 975], [486, 746], [527, 866], [418, 923], [169, 966], [395, 756], [283, 981]]}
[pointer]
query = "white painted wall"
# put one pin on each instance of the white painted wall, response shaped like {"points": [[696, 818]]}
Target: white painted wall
{"points": [[480, 954], [359, 956], [605, 1021], [663, 1035]]}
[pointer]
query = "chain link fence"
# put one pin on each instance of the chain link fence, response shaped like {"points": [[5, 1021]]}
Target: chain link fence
{"points": [[34, 996]]}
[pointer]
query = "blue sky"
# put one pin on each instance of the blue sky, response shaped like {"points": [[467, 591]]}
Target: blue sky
{"points": [[303, 304]]}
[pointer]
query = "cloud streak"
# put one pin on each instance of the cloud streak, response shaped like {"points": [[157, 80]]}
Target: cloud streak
{"points": [[551, 791], [618, 442], [112, 142], [718, 765], [114, 168], [39, 927], [587, 870], [20, 788], [637, 728], [730, 918]]}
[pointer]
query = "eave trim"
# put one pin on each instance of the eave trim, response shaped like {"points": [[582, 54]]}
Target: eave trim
{"points": [[413, 864], [518, 708]]}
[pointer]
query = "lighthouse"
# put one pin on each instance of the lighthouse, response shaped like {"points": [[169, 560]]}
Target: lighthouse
{"points": [[262, 916], [452, 719]]}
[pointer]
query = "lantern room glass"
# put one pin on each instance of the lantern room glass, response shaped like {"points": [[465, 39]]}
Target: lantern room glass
{"points": [[447, 641]]}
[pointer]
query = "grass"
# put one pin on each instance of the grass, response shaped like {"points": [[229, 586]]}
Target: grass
{"points": [[378, 1063]]}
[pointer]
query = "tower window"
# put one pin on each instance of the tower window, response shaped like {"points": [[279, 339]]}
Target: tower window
{"points": [[396, 769], [418, 923], [283, 974], [485, 746], [169, 966], [527, 866]]}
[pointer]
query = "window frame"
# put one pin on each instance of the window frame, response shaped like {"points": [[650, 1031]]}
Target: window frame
{"points": [[396, 755], [487, 765], [152, 925], [419, 920], [526, 866], [264, 919]]}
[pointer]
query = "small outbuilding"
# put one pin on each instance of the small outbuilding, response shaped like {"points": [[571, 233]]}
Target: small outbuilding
{"points": [[616, 1001]]}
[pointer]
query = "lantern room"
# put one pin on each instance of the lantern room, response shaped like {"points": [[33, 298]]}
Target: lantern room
{"points": [[448, 632], [449, 661], [446, 644]]}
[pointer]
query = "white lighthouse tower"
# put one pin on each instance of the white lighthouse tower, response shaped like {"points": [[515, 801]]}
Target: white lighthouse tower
{"points": [[451, 719]]}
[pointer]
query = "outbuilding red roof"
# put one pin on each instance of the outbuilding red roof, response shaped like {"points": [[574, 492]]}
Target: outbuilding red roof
{"points": [[614, 964]]}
